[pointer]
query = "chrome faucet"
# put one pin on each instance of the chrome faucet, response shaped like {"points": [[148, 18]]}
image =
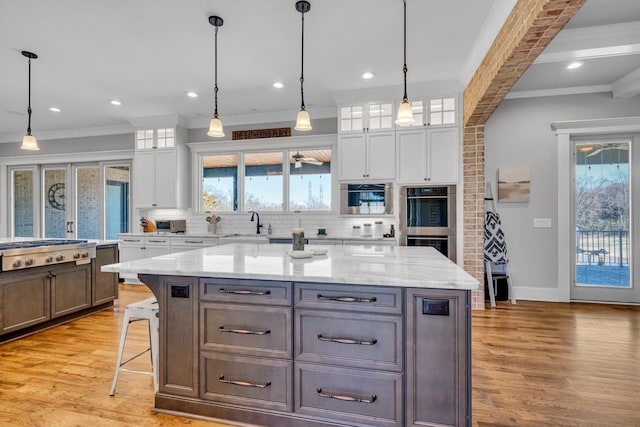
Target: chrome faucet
{"points": [[258, 225]]}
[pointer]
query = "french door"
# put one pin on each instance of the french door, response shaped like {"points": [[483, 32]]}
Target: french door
{"points": [[73, 201], [605, 195]]}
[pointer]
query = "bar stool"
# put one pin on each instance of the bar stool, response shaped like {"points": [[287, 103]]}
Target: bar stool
{"points": [[142, 310]]}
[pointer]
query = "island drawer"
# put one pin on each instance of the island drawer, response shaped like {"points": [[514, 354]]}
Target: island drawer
{"points": [[246, 291], [246, 329], [248, 381], [357, 340], [351, 395], [376, 299]]}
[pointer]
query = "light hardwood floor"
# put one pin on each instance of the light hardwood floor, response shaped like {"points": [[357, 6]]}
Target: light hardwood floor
{"points": [[534, 364]]}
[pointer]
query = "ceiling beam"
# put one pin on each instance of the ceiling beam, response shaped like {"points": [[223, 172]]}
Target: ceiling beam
{"points": [[529, 28], [627, 86]]}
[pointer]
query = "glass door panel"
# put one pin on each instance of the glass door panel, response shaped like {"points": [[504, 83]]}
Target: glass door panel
{"points": [[23, 203], [87, 196], [117, 179], [602, 206], [54, 203]]}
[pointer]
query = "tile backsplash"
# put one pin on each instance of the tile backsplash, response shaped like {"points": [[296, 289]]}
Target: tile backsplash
{"points": [[281, 223]]}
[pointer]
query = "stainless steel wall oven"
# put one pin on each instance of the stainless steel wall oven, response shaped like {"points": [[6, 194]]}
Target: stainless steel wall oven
{"points": [[428, 218]]}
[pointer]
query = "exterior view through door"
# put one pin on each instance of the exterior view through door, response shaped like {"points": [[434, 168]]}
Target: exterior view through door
{"points": [[602, 207]]}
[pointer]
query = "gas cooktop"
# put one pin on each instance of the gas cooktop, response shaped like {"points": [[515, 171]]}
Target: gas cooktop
{"points": [[38, 243]]}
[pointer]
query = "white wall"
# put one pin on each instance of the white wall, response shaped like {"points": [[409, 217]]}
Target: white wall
{"points": [[519, 134]]}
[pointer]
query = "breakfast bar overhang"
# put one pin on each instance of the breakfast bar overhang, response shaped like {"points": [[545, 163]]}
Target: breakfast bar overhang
{"points": [[349, 336]]}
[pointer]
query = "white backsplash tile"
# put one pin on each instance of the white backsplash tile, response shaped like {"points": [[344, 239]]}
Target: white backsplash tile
{"points": [[281, 223]]}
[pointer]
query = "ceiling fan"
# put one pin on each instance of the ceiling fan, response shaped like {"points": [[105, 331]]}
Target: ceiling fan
{"points": [[597, 149], [299, 159]]}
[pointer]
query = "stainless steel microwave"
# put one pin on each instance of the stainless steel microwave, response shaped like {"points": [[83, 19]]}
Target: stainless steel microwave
{"points": [[171, 225], [366, 199]]}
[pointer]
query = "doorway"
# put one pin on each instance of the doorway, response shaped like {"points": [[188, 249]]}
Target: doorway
{"points": [[603, 193], [73, 201]]}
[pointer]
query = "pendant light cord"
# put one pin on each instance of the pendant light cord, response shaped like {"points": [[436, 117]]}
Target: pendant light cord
{"points": [[404, 68], [215, 86], [29, 105], [302, 68]]}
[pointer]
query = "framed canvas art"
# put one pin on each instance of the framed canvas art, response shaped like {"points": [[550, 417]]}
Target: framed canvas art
{"points": [[514, 184]]}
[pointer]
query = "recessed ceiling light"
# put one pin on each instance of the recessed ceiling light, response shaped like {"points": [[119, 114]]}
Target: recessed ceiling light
{"points": [[367, 75], [192, 94], [115, 102], [574, 65], [278, 85], [55, 109]]}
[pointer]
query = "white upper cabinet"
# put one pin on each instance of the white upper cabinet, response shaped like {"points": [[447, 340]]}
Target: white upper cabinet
{"points": [[367, 141], [159, 170], [439, 111], [369, 117], [429, 156], [367, 156]]}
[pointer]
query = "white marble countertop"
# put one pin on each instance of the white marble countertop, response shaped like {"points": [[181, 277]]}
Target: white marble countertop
{"points": [[402, 266], [263, 236]]}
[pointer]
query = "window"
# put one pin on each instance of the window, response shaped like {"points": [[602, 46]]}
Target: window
{"points": [[278, 181], [263, 181], [220, 182], [310, 180], [442, 111]]}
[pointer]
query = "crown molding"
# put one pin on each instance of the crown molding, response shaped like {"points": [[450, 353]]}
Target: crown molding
{"points": [[69, 133]]}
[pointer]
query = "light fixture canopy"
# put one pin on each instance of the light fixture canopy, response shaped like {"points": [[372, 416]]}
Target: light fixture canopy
{"points": [[215, 126], [405, 113], [303, 121], [29, 141]]}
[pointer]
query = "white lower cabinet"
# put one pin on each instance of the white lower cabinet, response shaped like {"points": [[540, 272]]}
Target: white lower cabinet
{"points": [[138, 247], [182, 244], [429, 156]]}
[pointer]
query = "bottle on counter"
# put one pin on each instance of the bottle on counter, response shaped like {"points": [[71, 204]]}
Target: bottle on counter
{"points": [[366, 230], [356, 231], [392, 231], [269, 229], [377, 229]]}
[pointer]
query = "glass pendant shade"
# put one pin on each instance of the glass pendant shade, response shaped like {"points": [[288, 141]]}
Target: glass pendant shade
{"points": [[303, 122], [29, 143], [405, 114], [215, 127]]}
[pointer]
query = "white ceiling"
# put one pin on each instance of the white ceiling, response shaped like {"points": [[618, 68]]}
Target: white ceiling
{"points": [[149, 53]]}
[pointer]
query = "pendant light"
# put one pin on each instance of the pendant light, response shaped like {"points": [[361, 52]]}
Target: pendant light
{"points": [[405, 114], [303, 121], [29, 141], [215, 126]]}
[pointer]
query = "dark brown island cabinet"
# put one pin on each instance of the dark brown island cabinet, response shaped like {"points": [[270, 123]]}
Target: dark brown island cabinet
{"points": [[41, 297], [287, 353]]}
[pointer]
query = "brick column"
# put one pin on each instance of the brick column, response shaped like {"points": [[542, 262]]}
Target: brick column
{"points": [[529, 28], [473, 207]]}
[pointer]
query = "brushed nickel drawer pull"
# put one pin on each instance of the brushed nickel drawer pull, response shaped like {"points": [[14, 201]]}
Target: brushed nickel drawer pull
{"points": [[193, 241], [243, 292], [158, 241], [347, 397], [344, 340], [238, 330], [347, 299], [244, 383]]}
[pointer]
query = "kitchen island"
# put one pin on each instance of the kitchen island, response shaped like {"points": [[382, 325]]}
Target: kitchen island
{"points": [[358, 336]]}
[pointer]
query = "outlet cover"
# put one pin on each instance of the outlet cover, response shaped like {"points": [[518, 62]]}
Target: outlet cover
{"points": [[541, 222]]}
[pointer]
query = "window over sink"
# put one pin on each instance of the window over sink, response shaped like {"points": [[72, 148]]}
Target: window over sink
{"points": [[276, 180]]}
